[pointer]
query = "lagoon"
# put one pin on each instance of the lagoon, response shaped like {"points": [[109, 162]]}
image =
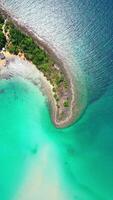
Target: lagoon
{"points": [[77, 161]]}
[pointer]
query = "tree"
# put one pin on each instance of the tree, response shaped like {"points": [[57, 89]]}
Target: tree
{"points": [[66, 104], [1, 19], [2, 40]]}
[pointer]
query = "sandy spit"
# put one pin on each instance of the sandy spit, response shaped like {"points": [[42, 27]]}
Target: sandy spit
{"points": [[76, 106]]}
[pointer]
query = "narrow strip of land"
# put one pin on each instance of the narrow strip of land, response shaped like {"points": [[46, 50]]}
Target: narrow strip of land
{"points": [[15, 42]]}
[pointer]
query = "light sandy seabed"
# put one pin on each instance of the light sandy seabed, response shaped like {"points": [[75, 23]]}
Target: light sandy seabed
{"points": [[14, 66], [36, 185], [77, 85]]}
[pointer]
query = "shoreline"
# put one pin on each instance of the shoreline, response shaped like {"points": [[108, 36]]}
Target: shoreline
{"points": [[75, 110]]}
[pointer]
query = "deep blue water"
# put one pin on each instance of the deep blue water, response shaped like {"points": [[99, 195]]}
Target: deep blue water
{"points": [[79, 32], [81, 163]]}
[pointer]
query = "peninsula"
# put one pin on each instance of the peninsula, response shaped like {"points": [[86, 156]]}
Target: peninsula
{"points": [[19, 43]]}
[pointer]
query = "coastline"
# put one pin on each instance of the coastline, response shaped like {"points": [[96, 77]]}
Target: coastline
{"points": [[75, 108]]}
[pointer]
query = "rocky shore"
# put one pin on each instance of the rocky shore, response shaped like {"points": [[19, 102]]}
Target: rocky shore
{"points": [[70, 113]]}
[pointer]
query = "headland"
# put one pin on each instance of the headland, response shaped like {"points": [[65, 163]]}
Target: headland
{"points": [[62, 95]]}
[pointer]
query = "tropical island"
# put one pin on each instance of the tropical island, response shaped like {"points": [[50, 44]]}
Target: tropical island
{"points": [[19, 43]]}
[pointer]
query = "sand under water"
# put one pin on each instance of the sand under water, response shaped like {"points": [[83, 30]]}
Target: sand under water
{"points": [[38, 161]]}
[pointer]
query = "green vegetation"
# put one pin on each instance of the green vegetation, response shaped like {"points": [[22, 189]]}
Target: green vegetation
{"points": [[59, 79], [2, 40], [1, 19], [18, 43], [66, 103], [2, 37]]}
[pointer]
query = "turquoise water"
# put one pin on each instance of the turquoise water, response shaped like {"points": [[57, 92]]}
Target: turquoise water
{"points": [[78, 161], [20, 131], [38, 161], [79, 32]]}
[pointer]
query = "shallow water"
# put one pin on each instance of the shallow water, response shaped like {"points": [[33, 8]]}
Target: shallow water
{"points": [[39, 161], [79, 32], [19, 129]]}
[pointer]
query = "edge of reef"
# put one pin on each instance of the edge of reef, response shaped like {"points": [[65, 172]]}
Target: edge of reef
{"points": [[77, 106]]}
